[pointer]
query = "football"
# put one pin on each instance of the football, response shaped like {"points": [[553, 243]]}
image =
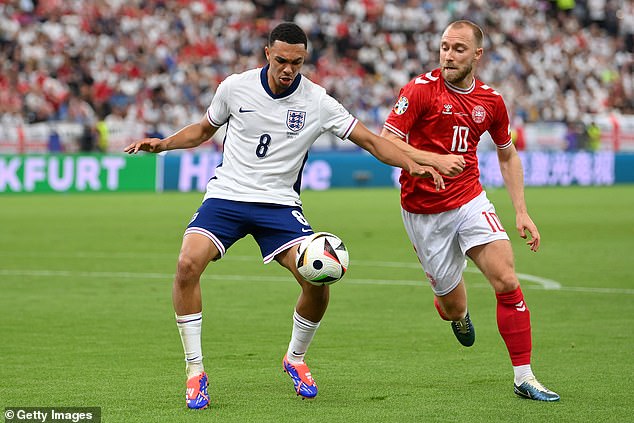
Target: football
{"points": [[322, 258]]}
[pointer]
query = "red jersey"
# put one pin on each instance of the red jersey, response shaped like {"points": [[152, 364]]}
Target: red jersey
{"points": [[435, 116]]}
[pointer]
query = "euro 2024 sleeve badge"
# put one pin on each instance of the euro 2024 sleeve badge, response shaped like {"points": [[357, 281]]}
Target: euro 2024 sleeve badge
{"points": [[401, 105]]}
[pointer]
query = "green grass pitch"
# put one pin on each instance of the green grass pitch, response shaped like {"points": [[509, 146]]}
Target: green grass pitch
{"points": [[86, 316]]}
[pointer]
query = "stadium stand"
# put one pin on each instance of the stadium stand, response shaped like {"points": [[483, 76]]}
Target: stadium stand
{"points": [[143, 66]]}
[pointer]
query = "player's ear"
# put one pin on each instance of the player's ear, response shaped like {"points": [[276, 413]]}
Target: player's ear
{"points": [[267, 53], [478, 53]]}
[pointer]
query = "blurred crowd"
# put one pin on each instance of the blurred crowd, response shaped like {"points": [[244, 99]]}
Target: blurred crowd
{"points": [[159, 61]]}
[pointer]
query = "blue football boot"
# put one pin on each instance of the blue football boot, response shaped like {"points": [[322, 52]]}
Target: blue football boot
{"points": [[305, 385], [534, 390], [464, 330], [196, 395]]}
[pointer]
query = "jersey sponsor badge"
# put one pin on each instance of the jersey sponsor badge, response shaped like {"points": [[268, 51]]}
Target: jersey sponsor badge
{"points": [[295, 120], [478, 114], [401, 105]]}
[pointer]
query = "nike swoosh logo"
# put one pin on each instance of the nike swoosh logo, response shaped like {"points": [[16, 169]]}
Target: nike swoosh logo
{"points": [[306, 230], [245, 110]]}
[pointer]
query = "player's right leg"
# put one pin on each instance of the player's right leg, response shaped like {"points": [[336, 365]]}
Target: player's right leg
{"points": [[453, 307], [434, 239], [196, 252], [215, 226]]}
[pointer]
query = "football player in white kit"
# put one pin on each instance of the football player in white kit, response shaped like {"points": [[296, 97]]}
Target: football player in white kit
{"points": [[273, 116]]}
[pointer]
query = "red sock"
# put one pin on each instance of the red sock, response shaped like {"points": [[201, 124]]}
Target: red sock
{"points": [[514, 324], [437, 305]]}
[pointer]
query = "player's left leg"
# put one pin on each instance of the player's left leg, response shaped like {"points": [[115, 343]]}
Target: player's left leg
{"points": [[309, 310], [495, 260], [278, 230]]}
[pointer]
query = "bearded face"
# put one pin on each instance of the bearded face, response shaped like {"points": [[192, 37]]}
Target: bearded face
{"points": [[458, 55]]}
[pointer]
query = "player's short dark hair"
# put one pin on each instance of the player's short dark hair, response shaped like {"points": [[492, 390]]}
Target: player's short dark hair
{"points": [[288, 32], [478, 34]]}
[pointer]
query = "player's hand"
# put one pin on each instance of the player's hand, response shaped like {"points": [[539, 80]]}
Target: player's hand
{"points": [[449, 164], [151, 145], [525, 226], [429, 172]]}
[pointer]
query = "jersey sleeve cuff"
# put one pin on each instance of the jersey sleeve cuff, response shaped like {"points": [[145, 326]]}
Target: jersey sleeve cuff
{"points": [[350, 128], [211, 121], [505, 145], [394, 130]]}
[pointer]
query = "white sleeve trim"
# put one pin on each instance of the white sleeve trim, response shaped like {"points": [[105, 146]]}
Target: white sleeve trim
{"points": [[350, 128], [394, 130], [505, 145]]}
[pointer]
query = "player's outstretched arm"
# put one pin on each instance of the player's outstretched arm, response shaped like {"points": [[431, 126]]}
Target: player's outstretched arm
{"points": [[388, 153], [447, 164], [513, 175], [190, 136]]}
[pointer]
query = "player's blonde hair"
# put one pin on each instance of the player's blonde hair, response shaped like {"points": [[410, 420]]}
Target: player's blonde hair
{"points": [[478, 34]]}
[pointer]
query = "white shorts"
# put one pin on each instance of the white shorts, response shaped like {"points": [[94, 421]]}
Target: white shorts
{"points": [[442, 240]]}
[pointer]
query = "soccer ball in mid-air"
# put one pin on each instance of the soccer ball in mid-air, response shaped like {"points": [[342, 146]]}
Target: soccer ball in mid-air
{"points": [[322, 258]]}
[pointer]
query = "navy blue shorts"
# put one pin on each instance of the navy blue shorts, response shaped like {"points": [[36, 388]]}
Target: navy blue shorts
{"points": [[275, 227]]}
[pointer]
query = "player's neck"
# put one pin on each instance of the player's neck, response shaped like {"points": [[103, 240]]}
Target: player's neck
{"points": [[275, 88], [466, 84]]}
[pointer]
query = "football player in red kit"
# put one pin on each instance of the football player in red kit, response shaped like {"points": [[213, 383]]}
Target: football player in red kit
{"points": [[446, 111]]}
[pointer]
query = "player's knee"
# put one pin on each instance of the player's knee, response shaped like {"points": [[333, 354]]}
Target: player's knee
{"points": [[188, 269], [505, 284]]}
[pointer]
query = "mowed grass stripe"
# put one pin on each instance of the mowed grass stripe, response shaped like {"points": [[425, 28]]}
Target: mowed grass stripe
{"points": [[260, 278]]}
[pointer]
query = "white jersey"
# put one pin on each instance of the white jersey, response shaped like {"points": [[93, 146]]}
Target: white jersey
{"points": [[268, 136]]}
